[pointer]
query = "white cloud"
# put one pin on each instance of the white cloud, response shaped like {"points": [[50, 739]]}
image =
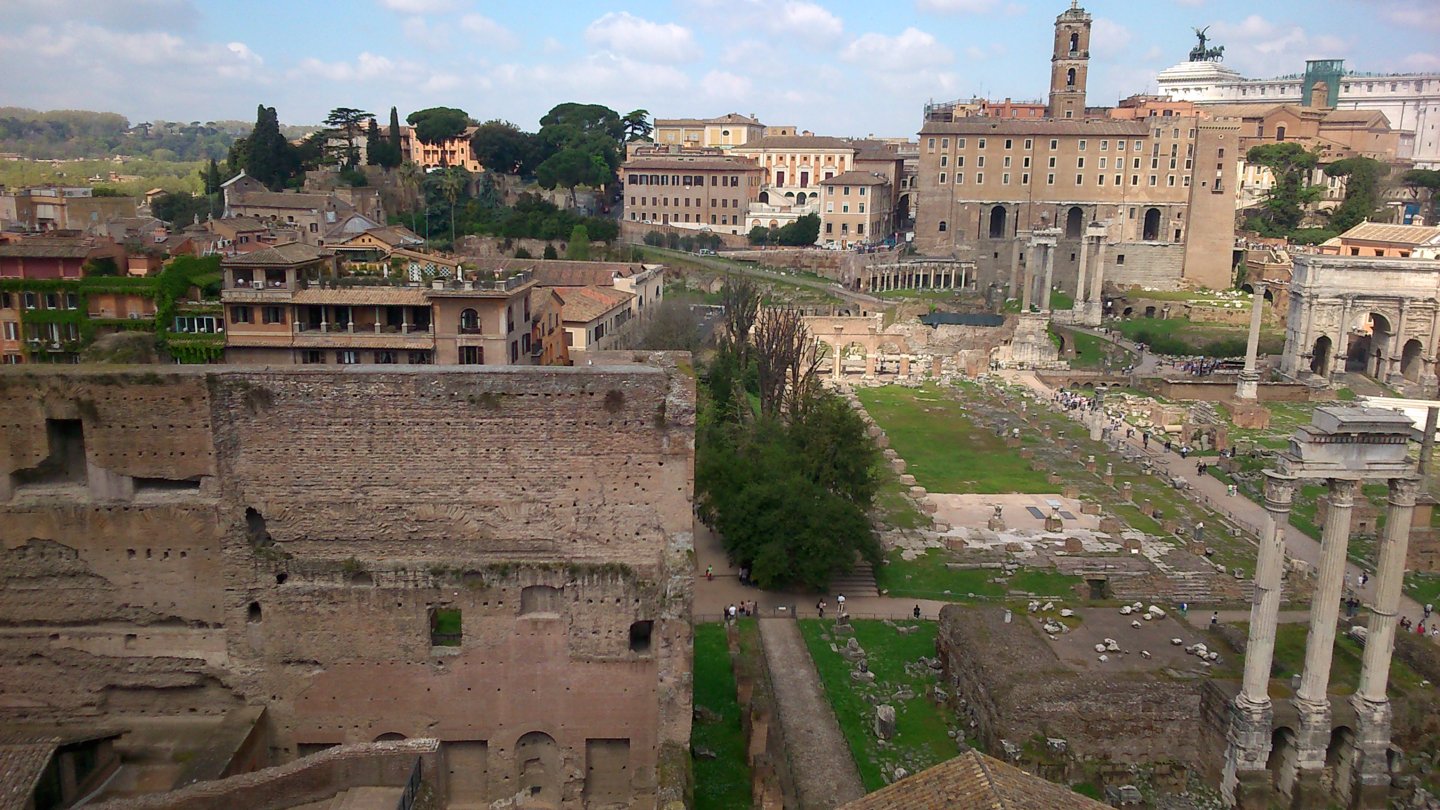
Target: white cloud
{"points": [[639, 38], [488, 31], [957, 6], [551, 45], [1109, 40], [420, 6], [1260, 48], [1413, 16], [910, 49], [785, 22], [1190, 3], [1428, 62], [366, 67], [722, 85]]}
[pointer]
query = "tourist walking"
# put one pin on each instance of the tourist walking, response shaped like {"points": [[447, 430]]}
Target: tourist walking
{"points": [[710, 572], [1214, 620], [820, 607], [917, 611]]}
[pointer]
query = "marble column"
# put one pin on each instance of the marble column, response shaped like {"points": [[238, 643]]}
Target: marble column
{"points": [[836, 370], [1080, 291], [1095, 303], [1371, 786], [1312, 700], [1020, 238], [1246, 781], [1049, 277], [905, 366], [1028, 281], [1249, 385]]}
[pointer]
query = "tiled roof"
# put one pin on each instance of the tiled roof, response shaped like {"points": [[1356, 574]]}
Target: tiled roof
{"points": [[796, 142], [975, 782], [392, 235], [682, 162], [1036, 126], [48, 248], [585, 304], [277, 256], [362, 296], [1394, 234], [21, 764], [854, 177]]}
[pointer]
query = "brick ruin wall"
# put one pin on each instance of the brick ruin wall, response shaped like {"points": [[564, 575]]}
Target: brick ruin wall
{"points": [[225, 538], [1005, 679]]}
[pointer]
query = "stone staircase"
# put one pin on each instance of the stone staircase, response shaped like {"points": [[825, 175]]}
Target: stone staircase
{"points": [[859, 582], [1194, 588]]}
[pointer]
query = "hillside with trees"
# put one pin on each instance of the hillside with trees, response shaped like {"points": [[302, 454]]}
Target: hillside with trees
{"points": [[73, 134]]}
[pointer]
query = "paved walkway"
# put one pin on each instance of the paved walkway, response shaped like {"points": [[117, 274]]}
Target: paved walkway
{"points": [[1211, 492], [820, 761]]}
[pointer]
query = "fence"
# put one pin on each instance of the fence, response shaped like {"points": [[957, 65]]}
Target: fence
{"points": [[412, 787]]}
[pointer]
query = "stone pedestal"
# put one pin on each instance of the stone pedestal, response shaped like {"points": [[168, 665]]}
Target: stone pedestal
{"points": [[1312, 738], [1370, 786], [869, 366], [1054, 523], [1249, 385], [1246, 781], [905, 365]]}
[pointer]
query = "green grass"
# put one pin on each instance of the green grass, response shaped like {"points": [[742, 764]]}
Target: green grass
{"points": [[1044, 583], [1344, 664], [1423, 588], [926, 577], [921, 730], [941, 447], [721, 783], [1179, 336], [893, 503]]}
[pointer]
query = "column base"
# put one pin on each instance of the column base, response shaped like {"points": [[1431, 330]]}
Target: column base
{"points": [[1247, 783], [1312, 741], [1370, 785], [1248, 387], [1310, 792]]}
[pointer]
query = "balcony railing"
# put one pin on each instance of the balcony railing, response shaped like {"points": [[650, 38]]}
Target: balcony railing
{"points": [[362, 329]]}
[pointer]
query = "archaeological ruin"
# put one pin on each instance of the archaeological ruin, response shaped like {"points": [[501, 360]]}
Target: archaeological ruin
{"points": [[236, 569]]}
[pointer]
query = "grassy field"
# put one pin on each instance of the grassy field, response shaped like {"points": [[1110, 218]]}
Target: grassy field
{"points": [[1344, 665], [721, 783], [942, 449], [1423, 588], [1182, 337], [921, 728], [893, 503]]}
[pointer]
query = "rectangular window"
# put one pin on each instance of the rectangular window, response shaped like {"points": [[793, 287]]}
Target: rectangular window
{"points": [[1029, 143], [1152, 180], [959, 161], [1007, 162], [347, 358], [930, 145], [6, 301], [445, 627], [829, 227], [1082, 145], [1052, 161], [1119, 146], [1170, 180], [12, 330], [421, 358], [1005, 179], [1049, 179], [1104, 146], [845, 208], [52, 301], [273, 314], [960, 143], [1103, 162], [959, 178], [981, 144], [1079, 179], [312, 357], [980, 162], [385, 358], [239, 314], [979, 178], [1009, 144], [472, 355], [1025, 162], [862, 191], [862, 208], [1138, 147], [1054, 143], [1025, 179], [1100, 180], [1080, 163]]}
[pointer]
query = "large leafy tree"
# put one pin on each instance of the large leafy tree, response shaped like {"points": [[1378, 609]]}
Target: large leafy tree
{"points": [[1291, 166], [450, 185], [501, 147], [573, 167], [268, 155], [1426, 182], [1362, 190], [637, 125], [182, 208], [435, 125], [347, 123], [580, 144]]}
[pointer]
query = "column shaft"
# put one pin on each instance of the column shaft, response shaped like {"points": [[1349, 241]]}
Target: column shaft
{"points": [[1265, 606], [1097, 278], [1080, 291], [1027, 287], [1389, 581], [1325, 605], [1049, 277]]}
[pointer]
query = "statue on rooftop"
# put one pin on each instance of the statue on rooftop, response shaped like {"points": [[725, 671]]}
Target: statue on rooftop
{"points": [[1200, 53]]}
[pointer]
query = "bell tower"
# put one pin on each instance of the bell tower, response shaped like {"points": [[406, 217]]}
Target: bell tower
{"points": [[1070, 63]]}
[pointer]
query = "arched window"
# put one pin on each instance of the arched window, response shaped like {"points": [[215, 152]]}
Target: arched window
{"points": [[1280, 133], [1070, 77], [943, 226], [1152, 225], [1074, 43], [1074, 222], [997, 222], [469, 321]]}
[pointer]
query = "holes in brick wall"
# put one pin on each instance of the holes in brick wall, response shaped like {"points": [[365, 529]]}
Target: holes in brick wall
{"points": [[614, 400], [66, 462], [445, 627], [281, 577], [252, 615], [255, 529], [161, 486]]}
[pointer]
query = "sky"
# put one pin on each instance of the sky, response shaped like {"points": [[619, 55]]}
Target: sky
{"points": [[834, 67]]}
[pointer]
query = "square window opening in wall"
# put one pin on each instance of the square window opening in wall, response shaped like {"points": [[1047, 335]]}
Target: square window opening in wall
{"points": [[65, 463], [445, 628], [640, 633]]}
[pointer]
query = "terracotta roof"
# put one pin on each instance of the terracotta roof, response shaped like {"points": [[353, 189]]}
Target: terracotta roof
{"points": [[422, 256], [854, 177], [875, 150], [40, 247], [242, 224], [668, 162], [1410, 235], [974, 781], [679, 122], [1036, 126], [392, 235], [278, 256], [362, 296], [585, 304], [578, 275], [21, 764], [796, 142]]}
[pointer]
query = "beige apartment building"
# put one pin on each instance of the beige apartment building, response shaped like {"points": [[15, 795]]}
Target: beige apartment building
{"points": [[856, 209], [1160, 187], [283, 306], [696, 191], [451, 152], [724, 132]]}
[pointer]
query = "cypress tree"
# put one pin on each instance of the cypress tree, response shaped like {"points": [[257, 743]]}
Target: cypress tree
{"points": [[395, 153], [374, 147], [212, 178]]}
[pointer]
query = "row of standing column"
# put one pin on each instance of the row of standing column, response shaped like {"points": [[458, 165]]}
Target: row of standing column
{"points": [[1252, 726], [884, 281]]}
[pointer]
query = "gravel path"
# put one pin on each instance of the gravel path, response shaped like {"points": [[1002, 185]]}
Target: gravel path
{"points": [[825, 774]]}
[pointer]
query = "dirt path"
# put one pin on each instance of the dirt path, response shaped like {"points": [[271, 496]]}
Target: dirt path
{"points": [[820, 761]]}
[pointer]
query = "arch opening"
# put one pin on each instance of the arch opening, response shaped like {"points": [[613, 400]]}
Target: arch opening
{"points": [[997, 222], [1074, 222], [1151, 230], [1320, 356], [1411, 364], [538, 764]]}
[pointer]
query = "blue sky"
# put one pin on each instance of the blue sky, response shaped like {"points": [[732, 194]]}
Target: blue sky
{"points": [[833, 67]]}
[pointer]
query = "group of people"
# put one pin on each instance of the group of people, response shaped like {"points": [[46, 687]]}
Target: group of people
{"points": [[745, 608], [1199, 367]]}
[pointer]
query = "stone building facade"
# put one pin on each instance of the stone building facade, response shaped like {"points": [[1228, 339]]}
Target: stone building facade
{"points": [[191, 542], [704, 192], [1160, 188], [1376, 316]]}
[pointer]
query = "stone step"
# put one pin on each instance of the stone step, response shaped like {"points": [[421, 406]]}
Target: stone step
{"points": [[859, 582]]}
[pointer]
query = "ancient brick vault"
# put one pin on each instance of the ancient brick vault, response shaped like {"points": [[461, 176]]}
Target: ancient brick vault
{"points": [[496, 559]]}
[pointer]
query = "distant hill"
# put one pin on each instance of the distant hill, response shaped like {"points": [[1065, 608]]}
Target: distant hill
{"points": [[63, 134]]}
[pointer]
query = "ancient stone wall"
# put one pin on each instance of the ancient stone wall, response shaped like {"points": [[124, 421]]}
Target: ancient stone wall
{"points": [[496, 558], [1004, 678]]}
